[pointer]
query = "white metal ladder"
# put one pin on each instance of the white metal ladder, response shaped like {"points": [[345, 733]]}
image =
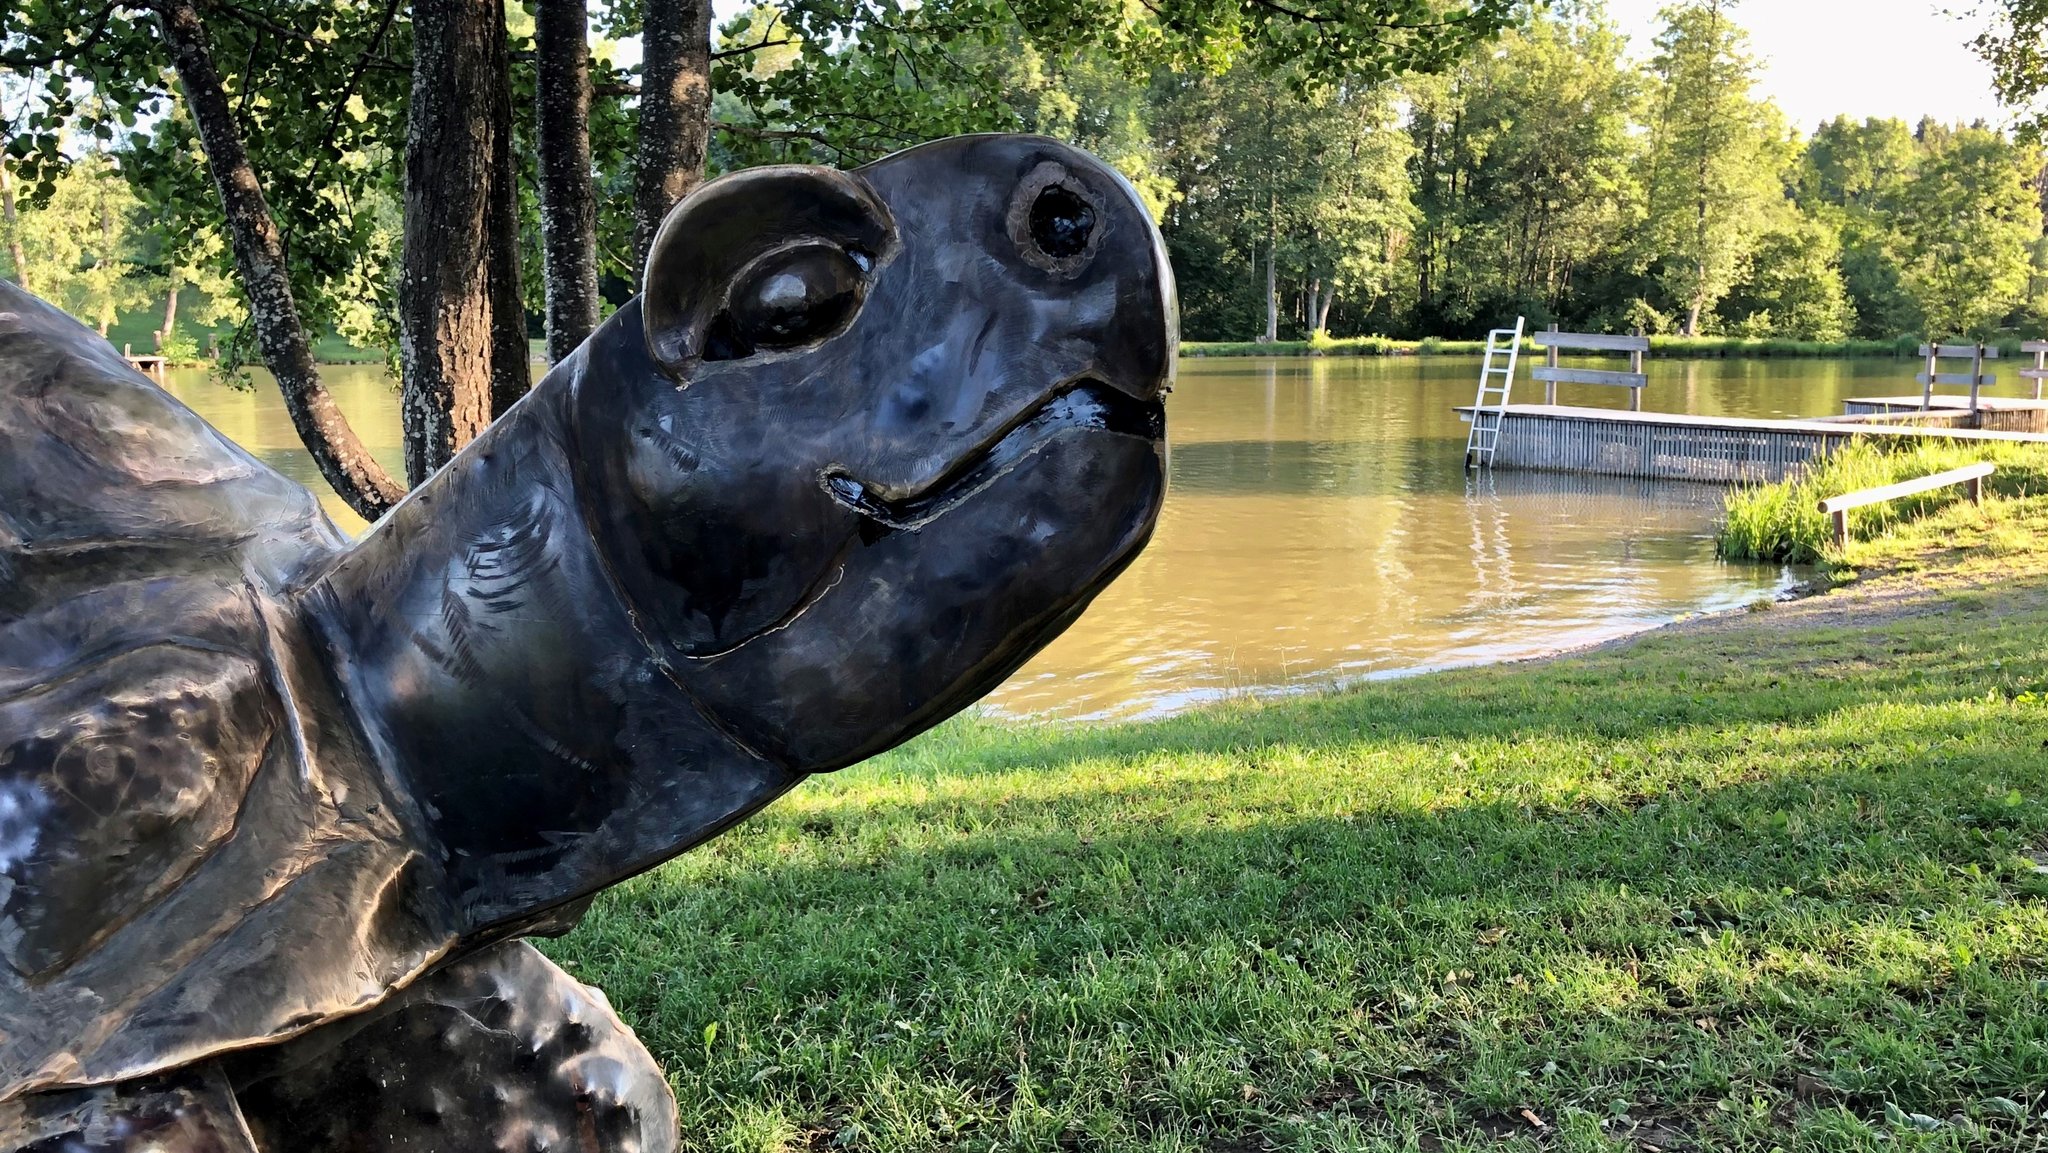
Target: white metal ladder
{"points": [[1487, 418]]}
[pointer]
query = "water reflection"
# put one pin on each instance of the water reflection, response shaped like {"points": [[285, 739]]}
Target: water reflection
{"points": [[1321, 527]]}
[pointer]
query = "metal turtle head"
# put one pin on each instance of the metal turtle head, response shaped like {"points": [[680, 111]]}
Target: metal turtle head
{"points": [[906, 424]]}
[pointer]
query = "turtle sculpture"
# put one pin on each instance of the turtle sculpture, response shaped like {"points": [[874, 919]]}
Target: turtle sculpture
{"points": [[277, 808]]}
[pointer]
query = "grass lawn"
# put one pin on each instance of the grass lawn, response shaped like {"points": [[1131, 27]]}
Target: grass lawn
{"points": [[1767, 881]]}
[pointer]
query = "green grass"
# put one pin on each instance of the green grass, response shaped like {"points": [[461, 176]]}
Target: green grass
{"points": [[1783, 522], [1764, 884]]}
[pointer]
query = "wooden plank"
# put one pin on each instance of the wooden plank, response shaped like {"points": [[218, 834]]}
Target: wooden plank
{"points": [[1849, 500], [2034, 374], [1960, 378], [1591, 340], [2034, 346], [1961, 352], [1589, 376]]}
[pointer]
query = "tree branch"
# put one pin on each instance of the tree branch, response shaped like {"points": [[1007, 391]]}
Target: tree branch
{"points": [[727, 53], [100, 24], [355, 76]]}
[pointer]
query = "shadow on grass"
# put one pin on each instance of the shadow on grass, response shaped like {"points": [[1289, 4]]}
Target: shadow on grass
{"points": [[1874, 930], [1728, 881]]}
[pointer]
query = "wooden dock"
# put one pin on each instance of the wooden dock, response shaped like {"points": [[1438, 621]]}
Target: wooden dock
{"points": [[147, 364], [1992, 414], [1671, 446]]}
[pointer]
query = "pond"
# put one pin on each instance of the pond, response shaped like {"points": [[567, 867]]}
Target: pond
{"points": [[1321, 528]]}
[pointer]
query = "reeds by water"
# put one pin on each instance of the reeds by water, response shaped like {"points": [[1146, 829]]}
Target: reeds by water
{"points": [[1783, 523]]}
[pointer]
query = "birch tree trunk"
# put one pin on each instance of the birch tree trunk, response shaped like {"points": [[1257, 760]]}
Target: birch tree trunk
{"points": [[15, 256], [259, 257], [568, 204], [170, 310], [1272, 294], [675, 114]]}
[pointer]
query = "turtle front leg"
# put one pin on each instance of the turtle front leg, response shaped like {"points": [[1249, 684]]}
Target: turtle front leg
{"points": [[189, 1111], [499, 1051]]}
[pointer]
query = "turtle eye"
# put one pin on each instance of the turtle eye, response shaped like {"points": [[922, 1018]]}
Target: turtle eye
{"points": [[1061, 222], [1055, 220], [788, 298]]}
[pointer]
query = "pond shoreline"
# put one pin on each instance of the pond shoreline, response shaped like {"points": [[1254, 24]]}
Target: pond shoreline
{"points": [[1670, 347]]}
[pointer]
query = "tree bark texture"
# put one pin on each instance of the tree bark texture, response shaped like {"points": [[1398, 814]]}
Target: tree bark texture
{"points": [[15, 255], [511, 362], [675, 113], [452, 276], [568, 202], [259, 257]]}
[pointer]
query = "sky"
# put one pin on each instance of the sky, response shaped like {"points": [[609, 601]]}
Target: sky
{"points": [[1899, 58]]}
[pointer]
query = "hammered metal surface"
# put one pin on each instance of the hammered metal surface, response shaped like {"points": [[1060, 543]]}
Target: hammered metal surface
{"points": [[500, 1052], [869, 442]]}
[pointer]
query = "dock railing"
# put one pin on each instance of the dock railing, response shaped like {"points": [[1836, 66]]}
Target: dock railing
{"points": [[1976, 378], [1838, 506], [1552, 374], [2039, 372]]}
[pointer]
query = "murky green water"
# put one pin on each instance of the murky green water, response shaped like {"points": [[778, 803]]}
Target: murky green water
{"points": [[1321, 527]]}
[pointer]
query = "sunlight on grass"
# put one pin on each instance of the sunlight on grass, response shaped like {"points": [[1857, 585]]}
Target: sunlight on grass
{"points": [[1741, 887]]}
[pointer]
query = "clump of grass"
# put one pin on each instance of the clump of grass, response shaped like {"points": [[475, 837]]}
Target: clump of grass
{"points": [[1783, 522]]}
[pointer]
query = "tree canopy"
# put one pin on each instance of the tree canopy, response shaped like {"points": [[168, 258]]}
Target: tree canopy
{"points": [[1407, 167]]}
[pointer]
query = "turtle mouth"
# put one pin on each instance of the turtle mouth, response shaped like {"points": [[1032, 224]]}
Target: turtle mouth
{"points": [[1086, 404]]}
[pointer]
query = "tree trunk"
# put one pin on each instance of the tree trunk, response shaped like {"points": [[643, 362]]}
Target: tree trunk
{"points": [[1699, 294], [15, 255], [170, 311], [1272, 268], [568, 205], [259, 257], [1314, 310], [511, 358], [675, 113], [447, 343], [105, 256], [1323, 314]]}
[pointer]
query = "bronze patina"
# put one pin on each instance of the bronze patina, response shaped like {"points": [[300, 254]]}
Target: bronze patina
{"points": [[276, 808]]}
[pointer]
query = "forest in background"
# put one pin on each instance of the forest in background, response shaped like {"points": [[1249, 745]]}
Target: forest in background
{"points": [[1543, 172]]}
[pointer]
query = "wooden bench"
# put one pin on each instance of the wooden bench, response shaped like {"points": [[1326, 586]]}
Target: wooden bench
{"points": [[1838, 506], [1976, 378], [1552, 375]]}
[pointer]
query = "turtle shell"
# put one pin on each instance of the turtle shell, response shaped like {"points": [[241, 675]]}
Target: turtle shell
{"points": [[197, 851]]}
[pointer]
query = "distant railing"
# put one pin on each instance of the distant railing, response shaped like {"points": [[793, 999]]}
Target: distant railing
{"points": [[2039, 372], [1552, 375], [1976, 378], [1838, 506]]}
